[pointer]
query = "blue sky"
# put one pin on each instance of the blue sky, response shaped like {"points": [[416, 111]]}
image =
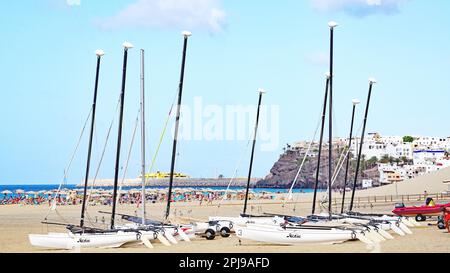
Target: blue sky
{"points": [[48, 70]]}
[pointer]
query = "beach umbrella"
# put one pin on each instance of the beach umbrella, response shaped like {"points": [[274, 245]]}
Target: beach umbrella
{"points": [[31, 192], [6, 192], [20, 191]]}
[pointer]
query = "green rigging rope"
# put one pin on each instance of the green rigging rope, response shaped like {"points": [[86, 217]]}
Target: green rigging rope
{"points": [[161, 139]]}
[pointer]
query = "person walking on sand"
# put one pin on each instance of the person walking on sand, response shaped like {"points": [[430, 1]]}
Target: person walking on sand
{"points": [[210, 199]]}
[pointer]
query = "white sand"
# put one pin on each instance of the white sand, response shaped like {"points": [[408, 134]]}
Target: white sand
{"points": [[16, 222]]}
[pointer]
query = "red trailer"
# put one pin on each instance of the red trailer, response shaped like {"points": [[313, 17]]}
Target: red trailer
{"points": [[421, 213]]}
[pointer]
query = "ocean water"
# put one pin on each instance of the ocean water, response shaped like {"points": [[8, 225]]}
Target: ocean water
{"points": [[37, 188]]}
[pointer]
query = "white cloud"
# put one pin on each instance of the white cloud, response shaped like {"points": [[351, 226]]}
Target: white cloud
{"points": [[186, 14], [359, 8]]}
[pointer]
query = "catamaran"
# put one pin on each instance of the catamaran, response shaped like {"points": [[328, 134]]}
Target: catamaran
{"points": [[82, 236], [118, 235], [171, 231], [146, 226]]}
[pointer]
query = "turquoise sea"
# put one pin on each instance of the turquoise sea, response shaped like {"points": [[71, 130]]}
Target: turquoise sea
{"points": [[37, 188]]}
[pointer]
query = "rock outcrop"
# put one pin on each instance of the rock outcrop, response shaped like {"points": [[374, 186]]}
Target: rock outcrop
{"points": [[285, 169]]}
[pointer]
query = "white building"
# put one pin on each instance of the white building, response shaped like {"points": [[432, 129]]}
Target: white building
{"points": [[432, 142], [376, 146], [390, 173], [379, 146], [428, 156]]}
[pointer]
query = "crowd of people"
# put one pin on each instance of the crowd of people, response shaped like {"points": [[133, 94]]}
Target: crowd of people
{"points": [[104, 198]]}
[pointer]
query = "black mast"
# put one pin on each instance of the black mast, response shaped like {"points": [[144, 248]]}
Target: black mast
{"points": [[371, 82], [316, 186], [355, 102], [186, 35], [99, 54], [119, 138], [332, 25], [261, 92]]}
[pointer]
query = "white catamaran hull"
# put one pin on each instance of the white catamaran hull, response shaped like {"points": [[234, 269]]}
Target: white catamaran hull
{"points": [[376, 233], [242, 221], [279, 236], [170, 232], [71, 241], [394, 224]]}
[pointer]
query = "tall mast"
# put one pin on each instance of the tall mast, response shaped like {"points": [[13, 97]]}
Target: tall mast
{"points": [[126, 46], [316, 186], [355, 102], [371, 83], [261, 93], [186, 35], [332, 25], [99, 54], [143, 134]]}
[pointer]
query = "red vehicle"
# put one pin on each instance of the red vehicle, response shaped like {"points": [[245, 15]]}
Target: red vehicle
{"points": [[420, 213]]}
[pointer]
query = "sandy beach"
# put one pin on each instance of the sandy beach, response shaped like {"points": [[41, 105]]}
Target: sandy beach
{"points": [[19, 221]]}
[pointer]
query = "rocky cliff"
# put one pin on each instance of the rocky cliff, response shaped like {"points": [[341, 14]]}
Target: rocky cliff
{"points": [[285, 169]]}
